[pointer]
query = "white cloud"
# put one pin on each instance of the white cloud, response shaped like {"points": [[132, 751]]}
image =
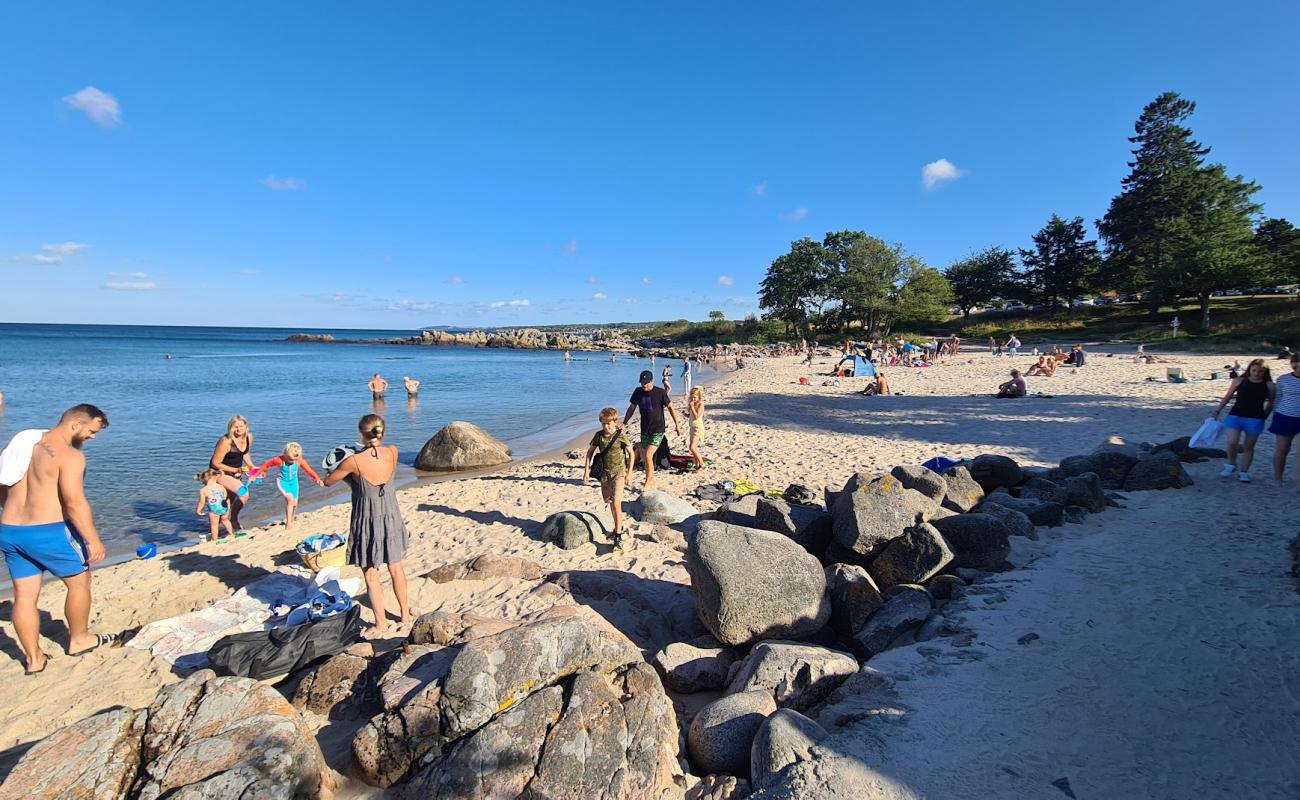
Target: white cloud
{"points": [[759, 189], [646, 280], [571, 247], [631, 300], [796, 215], [410, 305], [598, 296], [510, 303], [131, 286], [36, 258], [101, 107], [937, 172], [277, 184], [592, 280], [726, 280], [455, 280], [249, 273], [64, 249], [137, 276]]}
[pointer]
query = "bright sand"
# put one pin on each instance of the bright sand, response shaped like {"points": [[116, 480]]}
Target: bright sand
{"points": [[1166, 661]]}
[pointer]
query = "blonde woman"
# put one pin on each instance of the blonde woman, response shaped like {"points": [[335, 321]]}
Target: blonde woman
{"points": [[232, 455], [695, 418], [377, 534]]}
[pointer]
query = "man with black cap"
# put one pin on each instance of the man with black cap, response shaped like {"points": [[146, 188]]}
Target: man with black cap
{"points": [[651, 400]]}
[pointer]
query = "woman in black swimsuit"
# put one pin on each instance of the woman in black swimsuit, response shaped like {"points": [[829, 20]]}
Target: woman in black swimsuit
{"points": [[232, 453]]}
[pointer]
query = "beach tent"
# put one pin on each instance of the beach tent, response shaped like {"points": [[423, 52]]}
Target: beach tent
{"points": [[862, 368]]}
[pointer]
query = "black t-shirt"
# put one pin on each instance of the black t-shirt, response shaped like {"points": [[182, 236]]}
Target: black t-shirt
{"points": [[652, 404]]}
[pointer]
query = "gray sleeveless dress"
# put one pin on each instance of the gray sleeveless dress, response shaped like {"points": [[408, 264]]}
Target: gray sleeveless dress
{"points": [[377, 534]]}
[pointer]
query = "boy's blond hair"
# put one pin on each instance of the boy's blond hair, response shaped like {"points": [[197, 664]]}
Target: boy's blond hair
{"points": [[608, 413], [293, 450]]}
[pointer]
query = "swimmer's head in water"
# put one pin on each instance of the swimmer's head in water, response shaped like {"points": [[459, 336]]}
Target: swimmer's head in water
{"points": [[293, 451], [371, 428]]}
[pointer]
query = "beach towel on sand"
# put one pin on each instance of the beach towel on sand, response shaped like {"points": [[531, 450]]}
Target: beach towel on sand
{"points": [[17, 455]]}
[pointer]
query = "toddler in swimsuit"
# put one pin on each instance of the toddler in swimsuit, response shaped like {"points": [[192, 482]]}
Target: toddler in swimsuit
{"points": [[289, 462], [212, 501]]}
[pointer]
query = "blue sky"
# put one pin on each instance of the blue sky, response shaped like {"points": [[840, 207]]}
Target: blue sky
{"points": [[407, 164]]}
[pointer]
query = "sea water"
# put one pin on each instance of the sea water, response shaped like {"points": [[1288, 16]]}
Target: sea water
{"points": [[169, 392]]}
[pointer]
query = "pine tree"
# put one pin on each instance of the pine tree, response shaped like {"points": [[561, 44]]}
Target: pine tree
{"points": [[1063, 263]]}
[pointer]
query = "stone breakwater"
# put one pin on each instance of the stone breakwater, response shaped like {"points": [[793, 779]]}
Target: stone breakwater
{"points": [[512, 339]]}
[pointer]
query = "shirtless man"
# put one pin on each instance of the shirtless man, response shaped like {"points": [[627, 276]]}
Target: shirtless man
{"points": [[412, 386], [377, 387], [46, 525]]}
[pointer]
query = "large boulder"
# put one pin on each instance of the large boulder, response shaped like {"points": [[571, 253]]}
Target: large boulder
{"points": [[461, 446], [921, 479], [742, 512], [784, 739], [797, 675], [962, 492], [993, 472], [98, 757], [455, 627], [1163, 470], [903, 612], [210, 737], [495, 672], [384, 749], [978, 541], [1040, 512], [870, 512], [488, 566], [722, 733], [854, 597], [1086, 491], [344, 687], [810, 527], [750, 584], [569, 530], [1017, 523], [916, 556], [1043, 489], [1111, 464], [696, 666], [660, 508]]}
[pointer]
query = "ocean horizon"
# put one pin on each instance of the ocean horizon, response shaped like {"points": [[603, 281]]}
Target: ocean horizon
{"points": [[169, 391]]}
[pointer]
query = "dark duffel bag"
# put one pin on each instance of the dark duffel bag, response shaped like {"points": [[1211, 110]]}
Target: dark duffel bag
{"points": [[281, 651]]}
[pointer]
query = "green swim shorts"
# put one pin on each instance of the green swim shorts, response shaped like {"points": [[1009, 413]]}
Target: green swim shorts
{"points": [[652, 439]]}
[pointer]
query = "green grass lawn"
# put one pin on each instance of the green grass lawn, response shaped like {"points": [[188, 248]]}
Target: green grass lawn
{"points": [[1236, 323]]}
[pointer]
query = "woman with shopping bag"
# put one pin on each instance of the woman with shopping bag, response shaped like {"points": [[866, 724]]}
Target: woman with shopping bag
{"points": [[1255, 393]]}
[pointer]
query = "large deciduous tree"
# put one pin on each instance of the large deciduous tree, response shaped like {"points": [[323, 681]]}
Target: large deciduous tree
{"points": [[980, 277], [1179, 227], [795, 287], [1279, 245], [1063, 261]]}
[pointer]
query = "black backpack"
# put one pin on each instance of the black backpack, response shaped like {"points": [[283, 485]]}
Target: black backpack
{"points": [[282, 651]]}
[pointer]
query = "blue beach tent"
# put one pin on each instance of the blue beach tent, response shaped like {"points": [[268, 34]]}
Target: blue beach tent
{"points": [[862, 368]]}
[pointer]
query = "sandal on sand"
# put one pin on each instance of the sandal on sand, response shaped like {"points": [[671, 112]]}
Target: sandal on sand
{"points": [[27, 670], [101, 639]]}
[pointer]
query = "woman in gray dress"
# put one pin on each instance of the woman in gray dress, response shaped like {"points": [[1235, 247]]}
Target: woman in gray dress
{"points": [[376, 535]]}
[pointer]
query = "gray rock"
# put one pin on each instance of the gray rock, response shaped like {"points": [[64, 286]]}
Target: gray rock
{"points": [[668, 537], [870, 513], [1040, 512], [1111, 465], [719, 787], [750, 584], [1052, 474], [854, 597], [722, 733], [784, 739], [962, 492], [902, 612], [992, 471], [461, 446], [1043, 489], [384, 749], [569, 530], [978, 541], [914, 557], [494, 672], [488, 566], [796, 675], [344, 687], [1017, 523], [210, 737], [1157, 471], [921, 479], [1086, 490], [97, 757], [810, 527], [696, 666], [1075, 515], [946, 587], [660, 508], [742, 513]]}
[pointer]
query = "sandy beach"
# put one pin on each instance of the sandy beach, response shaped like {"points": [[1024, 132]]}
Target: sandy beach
{"points": [[1163, 662]]}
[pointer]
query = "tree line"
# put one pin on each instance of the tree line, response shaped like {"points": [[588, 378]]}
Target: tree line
{"points": [[1180, 227]]}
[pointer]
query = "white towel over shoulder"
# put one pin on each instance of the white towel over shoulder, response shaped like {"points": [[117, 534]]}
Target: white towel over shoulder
{"points": [[17, 455]]}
